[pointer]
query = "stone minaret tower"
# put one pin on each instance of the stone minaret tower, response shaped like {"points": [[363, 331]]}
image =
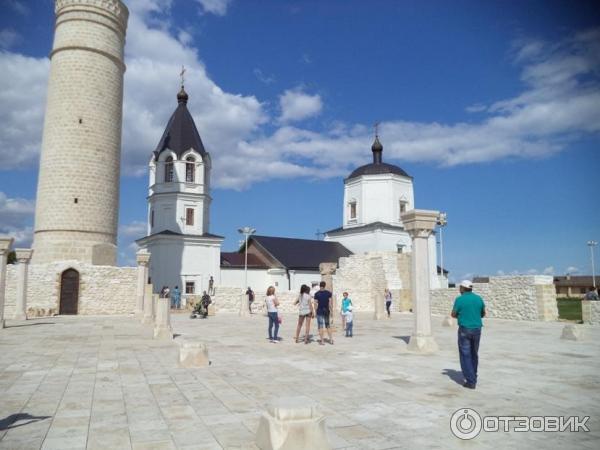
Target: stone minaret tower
{"points": [[78, 190]]}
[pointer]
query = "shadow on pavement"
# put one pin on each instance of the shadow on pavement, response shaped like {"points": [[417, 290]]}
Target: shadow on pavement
{"points": [[454, 375], [8, 421], [29, 324], [402, 338]]}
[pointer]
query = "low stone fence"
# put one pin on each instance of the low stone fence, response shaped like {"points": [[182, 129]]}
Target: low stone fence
{"points": [[590, 312], [515, 298], [227, 299], [102, 289]]}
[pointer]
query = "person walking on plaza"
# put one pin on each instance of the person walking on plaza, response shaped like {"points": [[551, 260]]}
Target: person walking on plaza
{"points": [[468, 308], [345, 303], [591, 295], [211, 286], [349, 320], [176, 298], [250, 294], [272, 312], [388, 301], [305, 313], [323, 302]]}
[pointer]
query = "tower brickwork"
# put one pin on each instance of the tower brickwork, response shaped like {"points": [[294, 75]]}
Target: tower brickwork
{"points": [[77, 205]]}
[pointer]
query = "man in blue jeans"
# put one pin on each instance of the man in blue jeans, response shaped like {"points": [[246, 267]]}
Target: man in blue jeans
{"points": [[468, 309]]}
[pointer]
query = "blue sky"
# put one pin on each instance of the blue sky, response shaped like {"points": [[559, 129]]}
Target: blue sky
{"points": [[492, 107]]}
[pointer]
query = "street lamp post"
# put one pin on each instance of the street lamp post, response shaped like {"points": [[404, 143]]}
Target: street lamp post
{"points": [[441, 223], [591, 245], [246, 231]]}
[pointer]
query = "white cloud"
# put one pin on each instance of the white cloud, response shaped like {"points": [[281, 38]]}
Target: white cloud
{"points": [[8, 38], [216, 7], [16, 218], [548, 270], [18, 6], [134, 230], [263, 78], [297, 105], [560, 102], [572, 270]]}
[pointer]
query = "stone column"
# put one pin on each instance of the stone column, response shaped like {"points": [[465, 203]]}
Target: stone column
{"points": [[420, 224], [149, 301], [162, 325], [5, 243], [142, 258], [23, 258], [244, 311]]}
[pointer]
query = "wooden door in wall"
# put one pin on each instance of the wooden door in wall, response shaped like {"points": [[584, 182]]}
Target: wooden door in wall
{"points": [[69, 292]]}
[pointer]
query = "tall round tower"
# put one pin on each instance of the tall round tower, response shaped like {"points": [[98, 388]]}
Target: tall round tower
{"points": [[77, 205]]}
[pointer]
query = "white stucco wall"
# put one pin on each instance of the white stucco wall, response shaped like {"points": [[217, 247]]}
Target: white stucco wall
{"points": [[260, 279], [177, 259], [377, 199]]}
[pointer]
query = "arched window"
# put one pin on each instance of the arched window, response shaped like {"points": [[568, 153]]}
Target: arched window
{"points": [[190, 169], [169, 169]]}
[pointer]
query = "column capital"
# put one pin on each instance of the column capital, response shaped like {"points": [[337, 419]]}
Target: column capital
{"points": [[5, 243], [142, 257], [23, 255], [420, 223]]}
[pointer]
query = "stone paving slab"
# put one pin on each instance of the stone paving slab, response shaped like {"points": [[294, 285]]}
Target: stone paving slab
{"points": [[104, 383]]}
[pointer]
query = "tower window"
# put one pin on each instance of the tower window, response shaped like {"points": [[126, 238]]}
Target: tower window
{"points": [[403, 205], [189, 216], [169, 170], [190, 169], [152, 218], [352, 210]]}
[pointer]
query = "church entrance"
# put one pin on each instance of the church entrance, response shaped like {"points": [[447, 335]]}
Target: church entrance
{"points": [[69, 292]]}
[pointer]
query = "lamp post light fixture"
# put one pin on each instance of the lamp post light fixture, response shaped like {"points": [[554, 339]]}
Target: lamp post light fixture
{"points": [[591, 245], [247, 232], [442, 221]]}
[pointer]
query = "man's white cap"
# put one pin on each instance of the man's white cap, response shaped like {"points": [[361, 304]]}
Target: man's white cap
{"points": [[466, 284]]}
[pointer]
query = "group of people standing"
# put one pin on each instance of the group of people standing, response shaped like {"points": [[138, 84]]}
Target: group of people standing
{"points": [[318, 304]]}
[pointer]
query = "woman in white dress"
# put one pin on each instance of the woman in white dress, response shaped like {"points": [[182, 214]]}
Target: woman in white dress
{"points": [[305, 312]]}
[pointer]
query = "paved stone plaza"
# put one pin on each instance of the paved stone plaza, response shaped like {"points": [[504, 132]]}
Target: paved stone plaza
{"points": [[103, 382]]}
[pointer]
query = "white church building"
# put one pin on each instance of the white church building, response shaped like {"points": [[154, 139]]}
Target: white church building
{"points": [[184, 253], [375, 196]]}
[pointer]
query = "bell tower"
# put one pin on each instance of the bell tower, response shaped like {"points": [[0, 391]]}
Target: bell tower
{"points": [[77, 205]]}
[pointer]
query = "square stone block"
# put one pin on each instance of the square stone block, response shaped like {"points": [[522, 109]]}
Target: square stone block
{"points": [[292, 423], [193, 354], [572, 333]]}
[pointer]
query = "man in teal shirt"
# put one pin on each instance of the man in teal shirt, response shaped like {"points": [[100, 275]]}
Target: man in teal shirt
{"points": [[468, 309]]}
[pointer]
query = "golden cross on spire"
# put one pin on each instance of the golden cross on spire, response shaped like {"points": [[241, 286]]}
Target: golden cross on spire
{"points": [[182, 75]]}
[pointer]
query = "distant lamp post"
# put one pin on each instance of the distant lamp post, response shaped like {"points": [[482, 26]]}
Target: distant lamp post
{"points": [[591, 245], [247, 232], [441, 223]]}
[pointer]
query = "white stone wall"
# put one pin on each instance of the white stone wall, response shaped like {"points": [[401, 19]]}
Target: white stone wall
{"points": [[590, 311], [363, 277], [515, 298], [102, 289], [78, 190]]}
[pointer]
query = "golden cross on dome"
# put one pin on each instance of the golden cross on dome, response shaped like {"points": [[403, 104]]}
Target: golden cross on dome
{"points": [[182, 75]]}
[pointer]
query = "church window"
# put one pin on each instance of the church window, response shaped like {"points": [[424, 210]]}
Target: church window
{"points": [[352, 208], [169, 169], [152, 218], [403, 204], [190, 287], [190, 169], [189, 216]]}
